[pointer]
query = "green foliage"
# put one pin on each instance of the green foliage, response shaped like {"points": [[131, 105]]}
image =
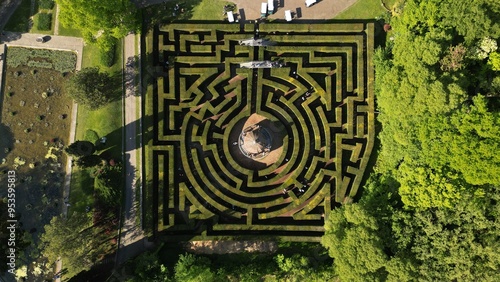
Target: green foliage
{"points": [[401, 244], [88, 161], [349, 232], [62, 61], [451, 244], [425, 89], [148, 268], [107, 56], [46, 4], [190, 268], [422, 187], [80, 149], [107, 183], [44, 21], [74, 239], [112, 19], [90, 88], [494, 61]]}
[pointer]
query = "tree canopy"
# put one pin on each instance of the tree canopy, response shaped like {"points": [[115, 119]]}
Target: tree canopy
{"points": [[74, 239], [100, 21], [91, 88], [80, 149], [430, 212], [437, 101]]}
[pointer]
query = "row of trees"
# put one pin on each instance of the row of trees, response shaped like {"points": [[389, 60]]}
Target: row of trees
{"points": [[232, 267], [431, 210], [81, 239]]}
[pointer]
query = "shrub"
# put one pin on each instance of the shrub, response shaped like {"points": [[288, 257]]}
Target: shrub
{"points": [[62, 61], [46, 4], [80, 149], [44, 21], [107, 57]]}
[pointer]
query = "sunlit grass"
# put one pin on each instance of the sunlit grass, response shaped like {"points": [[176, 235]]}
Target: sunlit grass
{"points": [[365, 9]]}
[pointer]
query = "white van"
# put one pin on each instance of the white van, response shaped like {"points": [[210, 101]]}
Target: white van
{"points": [[263, 10], [288, 15], [270, 6], [309, 3]]}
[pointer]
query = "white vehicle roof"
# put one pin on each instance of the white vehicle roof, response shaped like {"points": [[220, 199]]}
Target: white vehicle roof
{"points": [[310, 2], [263, 8], [288, 15], [230, 16], [270, 5]]}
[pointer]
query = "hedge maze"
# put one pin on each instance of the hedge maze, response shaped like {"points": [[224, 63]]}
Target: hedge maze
{"points": [[318, 109]]}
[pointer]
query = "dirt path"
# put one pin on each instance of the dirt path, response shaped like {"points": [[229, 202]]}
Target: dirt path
{"points": [[228, 247], [56, 21]]}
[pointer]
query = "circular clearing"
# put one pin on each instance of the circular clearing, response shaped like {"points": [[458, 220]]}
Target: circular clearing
{"points": [[256, 142]]}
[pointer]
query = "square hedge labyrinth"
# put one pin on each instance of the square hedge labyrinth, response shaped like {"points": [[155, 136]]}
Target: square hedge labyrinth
{"points": [[256, 129]]}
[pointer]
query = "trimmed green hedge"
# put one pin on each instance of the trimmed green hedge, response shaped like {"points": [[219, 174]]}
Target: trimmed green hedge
{"points": [[44, 21]]}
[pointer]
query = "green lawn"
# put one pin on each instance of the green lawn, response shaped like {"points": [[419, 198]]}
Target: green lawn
{"points": [[68, 31], [209, 10], [365, 9], [106, 121]]}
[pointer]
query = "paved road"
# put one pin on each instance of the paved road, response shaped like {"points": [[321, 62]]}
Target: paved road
{"points": [[132, 240]]}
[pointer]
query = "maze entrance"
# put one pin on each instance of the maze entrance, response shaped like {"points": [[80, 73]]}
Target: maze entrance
{"points": [[263, 138]]}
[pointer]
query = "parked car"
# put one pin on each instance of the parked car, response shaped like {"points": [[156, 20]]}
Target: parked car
{"points": [[43, 39]]}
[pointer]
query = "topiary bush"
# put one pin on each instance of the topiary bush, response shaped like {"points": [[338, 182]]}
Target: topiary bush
{"points": [[44, 21]]}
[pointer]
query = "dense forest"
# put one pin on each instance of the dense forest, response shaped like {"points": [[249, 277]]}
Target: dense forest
{"points": [[430, 211]]}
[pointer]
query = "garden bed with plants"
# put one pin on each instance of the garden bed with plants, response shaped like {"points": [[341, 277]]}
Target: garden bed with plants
{"points": [[35, 124]]}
